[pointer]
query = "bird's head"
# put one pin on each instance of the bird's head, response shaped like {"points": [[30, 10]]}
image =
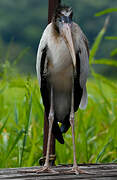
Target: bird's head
{"points": [[63, 14], [62, 21]]}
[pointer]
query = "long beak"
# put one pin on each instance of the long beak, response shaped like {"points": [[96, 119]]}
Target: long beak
{"points": [[66, 33]]}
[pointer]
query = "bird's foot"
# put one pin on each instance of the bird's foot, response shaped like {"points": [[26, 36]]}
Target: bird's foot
{"points": [[46, 169], [76, 170]]}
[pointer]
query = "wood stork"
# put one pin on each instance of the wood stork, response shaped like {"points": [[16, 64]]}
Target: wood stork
{"points": [[62, 70]]}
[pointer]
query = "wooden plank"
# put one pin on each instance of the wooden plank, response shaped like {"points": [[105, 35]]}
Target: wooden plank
{"points": [[99, 172]]}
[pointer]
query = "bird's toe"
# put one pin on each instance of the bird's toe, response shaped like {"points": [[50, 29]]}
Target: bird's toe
{"points": [[76, 170], [46, 169]]}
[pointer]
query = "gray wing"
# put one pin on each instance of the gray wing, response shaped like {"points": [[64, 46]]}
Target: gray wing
{"points": [[42, 45], [84, 68], [82, 46]]}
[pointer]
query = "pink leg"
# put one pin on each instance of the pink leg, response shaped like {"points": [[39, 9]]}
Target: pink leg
{"points": [[75, 168], [46, 167]]}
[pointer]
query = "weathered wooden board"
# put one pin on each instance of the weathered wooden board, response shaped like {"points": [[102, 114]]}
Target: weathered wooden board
{"points": [[97, 171]]}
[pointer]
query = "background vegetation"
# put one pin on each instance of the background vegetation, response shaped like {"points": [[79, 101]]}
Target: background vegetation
{"points": [[22, 23], [21, 109]]}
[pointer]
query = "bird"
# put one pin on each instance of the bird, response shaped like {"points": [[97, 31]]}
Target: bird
{"points": [[62, 70]]}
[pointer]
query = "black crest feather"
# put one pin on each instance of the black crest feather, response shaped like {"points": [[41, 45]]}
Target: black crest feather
{"points": [[59, 8]]}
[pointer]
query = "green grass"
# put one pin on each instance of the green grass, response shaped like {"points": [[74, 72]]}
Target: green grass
{"points": [[21, 118], [21, 125]]}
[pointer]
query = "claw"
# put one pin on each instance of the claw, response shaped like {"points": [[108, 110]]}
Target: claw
{"points": [[46, 169], [76, 170]]}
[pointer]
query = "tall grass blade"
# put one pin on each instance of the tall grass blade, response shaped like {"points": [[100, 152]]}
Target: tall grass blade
{"points": [[114, 52], [28, 116], [9, 50], [114, 161], [103, 96], [15, 143], [4, 124], [33, 146], [106, 11], [103, 150], [97, 42], [21, 55], [28, 113], [109, 62], [16, 114], [111, 37]]}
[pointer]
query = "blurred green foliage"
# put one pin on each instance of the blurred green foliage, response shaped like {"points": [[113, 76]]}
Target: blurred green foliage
{"points": [[22, 23]]}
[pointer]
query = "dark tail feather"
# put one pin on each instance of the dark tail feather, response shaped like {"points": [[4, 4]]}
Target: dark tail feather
{"points": [[57, 132], [66, 125]]}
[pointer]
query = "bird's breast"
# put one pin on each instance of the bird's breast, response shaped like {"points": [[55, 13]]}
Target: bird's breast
{"points": [[60, 67]]}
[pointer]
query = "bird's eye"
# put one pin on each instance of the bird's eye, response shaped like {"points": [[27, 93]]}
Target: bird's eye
{"points": [[60, 20]]}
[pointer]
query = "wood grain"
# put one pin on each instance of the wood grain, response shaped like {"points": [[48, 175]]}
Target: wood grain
{"points": [[96, 171]]}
